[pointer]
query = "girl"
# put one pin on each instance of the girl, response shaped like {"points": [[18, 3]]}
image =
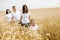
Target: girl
{"points": [[25, 16], [8, 15], [33, 27]]}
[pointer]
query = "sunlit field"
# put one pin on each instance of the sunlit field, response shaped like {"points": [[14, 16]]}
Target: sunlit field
{"points": [[48, 21]]}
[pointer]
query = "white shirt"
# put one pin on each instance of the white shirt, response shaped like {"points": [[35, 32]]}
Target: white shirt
{"points": [[16, 15], [9, 17], [34, 28], [25, 17]]}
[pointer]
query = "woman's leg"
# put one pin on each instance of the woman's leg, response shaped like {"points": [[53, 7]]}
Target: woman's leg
{"points": [[22, 24], [27, 24]]}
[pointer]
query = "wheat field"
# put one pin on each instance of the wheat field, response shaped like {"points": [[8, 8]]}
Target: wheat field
{"points": [[47, 19]]}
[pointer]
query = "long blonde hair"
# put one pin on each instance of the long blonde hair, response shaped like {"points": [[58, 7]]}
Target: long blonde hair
{"points": [[31, 21]]}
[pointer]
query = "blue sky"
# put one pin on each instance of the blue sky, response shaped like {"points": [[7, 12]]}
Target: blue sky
{"points": [[32, 4]]}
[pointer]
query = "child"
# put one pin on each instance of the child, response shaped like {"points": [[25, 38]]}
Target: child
{"points": [[8, 15], [33, 27], [25, 16]]}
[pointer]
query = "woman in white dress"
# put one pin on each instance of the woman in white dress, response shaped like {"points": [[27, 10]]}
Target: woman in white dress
{"points": [[25, 16]]}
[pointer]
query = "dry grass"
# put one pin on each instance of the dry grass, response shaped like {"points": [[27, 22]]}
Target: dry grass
{"points": [[48, 21]]}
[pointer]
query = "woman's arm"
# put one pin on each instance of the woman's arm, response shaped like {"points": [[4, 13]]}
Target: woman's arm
{"points": [[20, 20], [12, 19], [29, 17]]}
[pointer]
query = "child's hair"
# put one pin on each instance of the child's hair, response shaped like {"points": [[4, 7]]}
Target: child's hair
{"points": [[8, 11], [32, 21], [13, 6], [23, 9]]}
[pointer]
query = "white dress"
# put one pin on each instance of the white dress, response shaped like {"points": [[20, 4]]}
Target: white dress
{"points": [[34, 29], [9, 17], [25, 17], [16, 15]]}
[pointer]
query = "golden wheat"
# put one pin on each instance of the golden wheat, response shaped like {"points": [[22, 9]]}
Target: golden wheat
{"points": [[49, 28]]}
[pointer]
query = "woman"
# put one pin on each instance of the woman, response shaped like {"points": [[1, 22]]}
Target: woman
{"points": [[25, 16]]}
